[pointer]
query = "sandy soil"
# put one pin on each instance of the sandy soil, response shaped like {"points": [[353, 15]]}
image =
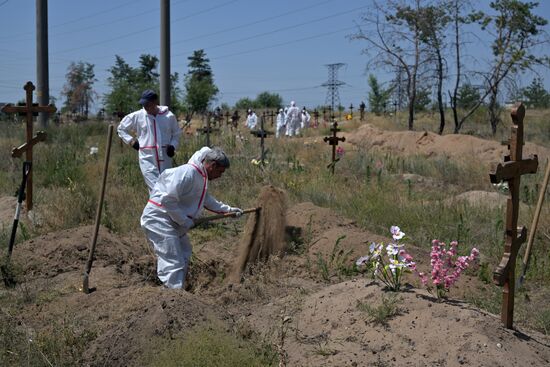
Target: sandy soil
{"points": [[322, 323], [429, 144]]}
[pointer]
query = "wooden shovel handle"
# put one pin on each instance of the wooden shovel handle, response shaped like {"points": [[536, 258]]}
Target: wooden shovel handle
{"points": [[225, 215]]}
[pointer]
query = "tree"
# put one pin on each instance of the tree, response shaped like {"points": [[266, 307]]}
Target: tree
{"points": [[394, 43], [378, 97], [467, 97], [244, 104], [535, 94], [423, 99], [127, 83], [124, 94], [200, 89], [268, 100], [433, 22], [78, 89], [517, 33]]}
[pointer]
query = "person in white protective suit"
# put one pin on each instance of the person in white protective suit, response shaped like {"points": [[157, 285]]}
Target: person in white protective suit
{"points": [[305, 118], [251, 120], [281, 126], [157, 135], [293, 120], [177, 199]]}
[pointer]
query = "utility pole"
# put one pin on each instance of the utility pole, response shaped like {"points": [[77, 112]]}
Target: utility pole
{"points": [[165, 52], [333, 96], [42, 66]]}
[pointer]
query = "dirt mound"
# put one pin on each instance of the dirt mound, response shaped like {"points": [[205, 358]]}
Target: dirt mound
{"points": [[325, 324], [67, 250], [429, 144], [136, 316], [331, 327]]}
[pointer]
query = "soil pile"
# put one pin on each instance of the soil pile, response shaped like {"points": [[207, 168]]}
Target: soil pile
{"points": [[264, 233], [457, 146]]}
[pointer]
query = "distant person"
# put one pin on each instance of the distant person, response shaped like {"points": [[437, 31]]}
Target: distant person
{"points": [[305, 118], [362, 107], [251, 120], [281, 124], [178, 198], [156, 136], [293, 120]]}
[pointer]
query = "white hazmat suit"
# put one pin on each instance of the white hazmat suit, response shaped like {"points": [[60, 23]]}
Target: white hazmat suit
{"points": [[154, 133], [293, 120], [305, 118], [178, 198], [251, 120]]}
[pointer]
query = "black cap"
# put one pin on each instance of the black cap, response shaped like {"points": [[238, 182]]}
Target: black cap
{"points": [[148, 96]]}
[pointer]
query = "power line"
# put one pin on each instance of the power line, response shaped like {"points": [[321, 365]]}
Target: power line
{"points": [[294, 11], [285, 43], [144, 29], [4, 3], [278, 30]]}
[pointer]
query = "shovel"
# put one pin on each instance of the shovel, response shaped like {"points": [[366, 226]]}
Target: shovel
{"points": [[224, 215], [9, 281]]}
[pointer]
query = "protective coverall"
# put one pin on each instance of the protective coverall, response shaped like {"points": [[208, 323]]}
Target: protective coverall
{"points": [[293, 120], [178, 198], [281, 126], [251, 121], [154, 133], [305, 119]]}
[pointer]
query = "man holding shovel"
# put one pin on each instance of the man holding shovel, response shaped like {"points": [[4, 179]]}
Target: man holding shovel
{"points": [[176, 201]]}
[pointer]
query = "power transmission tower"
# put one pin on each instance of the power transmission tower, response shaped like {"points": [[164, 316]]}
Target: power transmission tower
{"points": [[333, 97]]}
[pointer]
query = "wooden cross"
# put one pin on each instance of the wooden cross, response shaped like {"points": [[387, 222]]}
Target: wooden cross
{"points": [[315, 118], [272, 115], [333, 140], [28, 109], [227, 115], [207, 130], [351, 109], [262, 134], [511, 170]]}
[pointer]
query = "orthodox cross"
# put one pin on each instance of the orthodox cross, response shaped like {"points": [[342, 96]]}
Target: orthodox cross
{"points": [[272, 115], [207, 130], [227, 115], [511, 170], [315, 118], [333, 140], [351, 109], [28, 110], [262, 134]]}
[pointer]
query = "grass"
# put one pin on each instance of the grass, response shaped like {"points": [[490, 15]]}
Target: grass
{"points": [[335, 263], [366, 188], [383, 312], [210, 345]]}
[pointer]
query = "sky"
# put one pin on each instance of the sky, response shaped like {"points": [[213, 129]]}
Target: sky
{"points": [[253, 45]]}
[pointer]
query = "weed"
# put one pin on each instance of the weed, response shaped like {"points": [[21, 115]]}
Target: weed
{"points": [[383, 312], [336, 263]]}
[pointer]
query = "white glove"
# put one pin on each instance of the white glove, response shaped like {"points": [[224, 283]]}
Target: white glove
{"points": [[238, 212]]}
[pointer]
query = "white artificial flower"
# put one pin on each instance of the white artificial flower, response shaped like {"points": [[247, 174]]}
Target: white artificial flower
{"points": [[396, 233]]}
